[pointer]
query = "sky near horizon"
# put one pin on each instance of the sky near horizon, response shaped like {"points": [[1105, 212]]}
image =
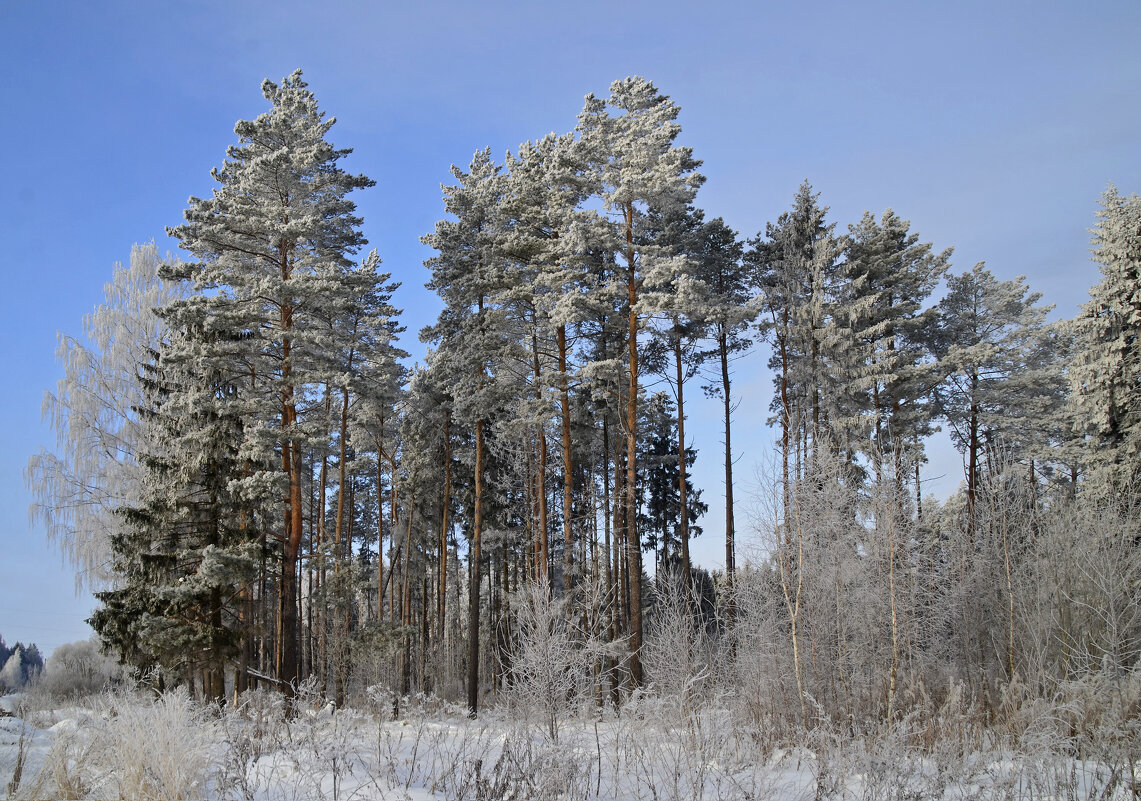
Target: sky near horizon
{"points": [[994, 127]]}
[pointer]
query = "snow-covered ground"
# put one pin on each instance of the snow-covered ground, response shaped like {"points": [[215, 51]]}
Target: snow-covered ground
{"points": [[130, 745]]}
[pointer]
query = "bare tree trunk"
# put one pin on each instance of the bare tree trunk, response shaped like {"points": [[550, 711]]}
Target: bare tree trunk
{"points": [[730, 525], [291, 466], [442, 610], [287, 640], [633, 540], [543, 554], [687, 578], [785, 423], [918, 491], [406, 604], [474, 569], [340, 591], [321, 588], [621, 604], [568, 464], [792, 588], [893, 675], [393, 605], [1005, 523], [378, 441], [973, 447]]}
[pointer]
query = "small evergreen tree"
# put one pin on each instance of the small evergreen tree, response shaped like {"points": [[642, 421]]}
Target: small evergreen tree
{"points": [[660, 508]]}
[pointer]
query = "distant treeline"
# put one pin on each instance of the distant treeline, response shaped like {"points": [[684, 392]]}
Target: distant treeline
{"points": [[20, 664]]}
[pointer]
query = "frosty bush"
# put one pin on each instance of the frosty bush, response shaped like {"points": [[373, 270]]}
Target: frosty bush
{"points": [[132, 746], [550, 672], [78, 669], [679, 654]]}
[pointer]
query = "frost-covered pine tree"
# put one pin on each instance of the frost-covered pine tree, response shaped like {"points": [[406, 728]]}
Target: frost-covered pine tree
{"points": [[265, 243], [889, 372], [372, 377], [355, 341], [730, 306], [468, 273], [1106, 371], [995, 390], [635, 167], [797, 272], [548, 242]]}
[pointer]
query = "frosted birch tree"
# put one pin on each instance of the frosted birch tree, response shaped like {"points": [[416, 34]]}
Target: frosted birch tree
{"points": [[94, 469]]}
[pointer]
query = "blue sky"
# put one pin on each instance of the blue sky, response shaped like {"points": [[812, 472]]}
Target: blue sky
{"points": [[994, 127]]}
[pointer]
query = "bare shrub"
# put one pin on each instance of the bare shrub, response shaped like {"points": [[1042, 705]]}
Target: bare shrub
{"points": [[678, 654], [551, 671]]}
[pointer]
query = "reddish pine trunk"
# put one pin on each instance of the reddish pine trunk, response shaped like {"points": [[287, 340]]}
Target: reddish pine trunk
{"points": [[542, 555], [730, 529], [291, 465], [633, 541]]}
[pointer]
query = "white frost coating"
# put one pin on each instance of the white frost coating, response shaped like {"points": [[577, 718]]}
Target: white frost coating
{"points": [[1106, 369], [93, 469]]}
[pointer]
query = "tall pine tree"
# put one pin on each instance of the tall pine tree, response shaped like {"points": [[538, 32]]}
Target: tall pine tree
{"points": [[635, 169], [278, 223]]}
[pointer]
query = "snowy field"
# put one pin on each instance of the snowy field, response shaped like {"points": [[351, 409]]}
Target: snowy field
{"points": [[135, 745]]}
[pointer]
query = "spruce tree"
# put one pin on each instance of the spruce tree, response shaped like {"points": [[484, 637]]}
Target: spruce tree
{"points": [[660, 489], [188, 546]]}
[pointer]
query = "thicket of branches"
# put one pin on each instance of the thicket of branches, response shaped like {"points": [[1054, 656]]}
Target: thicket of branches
{"points": [[270, 494]]}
